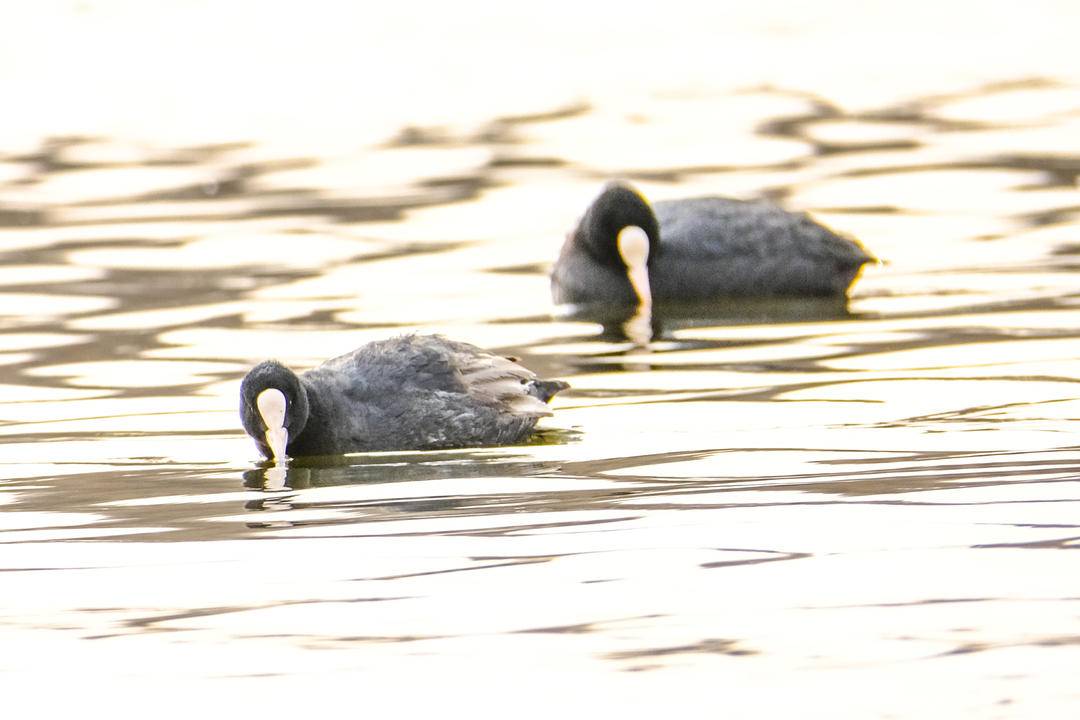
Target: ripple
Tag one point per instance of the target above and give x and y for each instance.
(1002, 354)
(1020, 105)
(37, 307)
(836, 503)
(36, 275)
(104, 184)
(134, 373)
(942, 191)
(291, 250)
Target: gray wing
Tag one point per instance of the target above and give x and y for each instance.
(723, 226)
(726, 246)
(424, 391)
(499, 381)
(433, 363)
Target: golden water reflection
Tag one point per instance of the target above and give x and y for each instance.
(849, 499)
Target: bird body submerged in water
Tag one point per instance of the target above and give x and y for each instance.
(415, 392)
(624, 252)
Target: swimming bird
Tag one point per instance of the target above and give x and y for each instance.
(625, 251)
(415, 392)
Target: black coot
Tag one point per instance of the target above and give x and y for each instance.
(415, 392)
(626, 252)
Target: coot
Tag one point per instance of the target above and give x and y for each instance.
(415, 392)
(625, 251)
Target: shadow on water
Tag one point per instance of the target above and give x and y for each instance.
(145, 503)
(333, 470)
(882, 478)
(670, 317)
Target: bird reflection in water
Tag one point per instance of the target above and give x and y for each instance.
(277, 477)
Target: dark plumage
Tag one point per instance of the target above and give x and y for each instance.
(703, 248)
(415, 392)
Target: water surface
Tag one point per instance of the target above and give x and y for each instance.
(863, 511)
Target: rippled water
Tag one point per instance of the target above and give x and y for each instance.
(861, 511)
